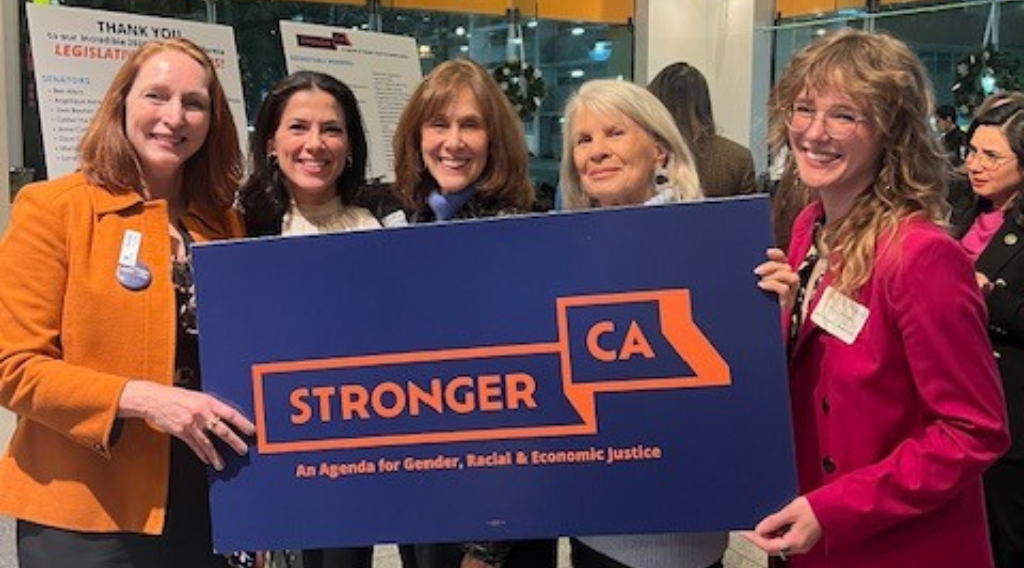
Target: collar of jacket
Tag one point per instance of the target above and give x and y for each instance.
(961, 220)
(111, 201)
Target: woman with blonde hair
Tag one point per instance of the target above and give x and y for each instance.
(621, 147)
(98, 340)
(675, 172)
(897, 409)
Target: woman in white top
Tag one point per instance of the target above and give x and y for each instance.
(622, 147)
(308, 161)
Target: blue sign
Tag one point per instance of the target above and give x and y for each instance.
(606, 372)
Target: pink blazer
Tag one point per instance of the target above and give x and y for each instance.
(894, 431)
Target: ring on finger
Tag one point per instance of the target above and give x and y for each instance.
(213, 423)
(784, 553)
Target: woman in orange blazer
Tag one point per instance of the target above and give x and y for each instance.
(98, 349)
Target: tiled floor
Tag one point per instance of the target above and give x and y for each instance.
(7, 557)
(740, 554)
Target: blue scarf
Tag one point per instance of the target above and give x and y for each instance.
(447, 205)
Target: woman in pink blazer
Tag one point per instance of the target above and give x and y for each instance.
(897, 408)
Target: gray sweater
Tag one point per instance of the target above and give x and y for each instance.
(697, 550)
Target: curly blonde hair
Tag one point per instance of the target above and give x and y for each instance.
(891, 84)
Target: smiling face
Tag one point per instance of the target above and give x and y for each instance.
(454, 144)
(1002, 179)
(312, 146)
(167, 114)
(615, 157)
(838, 169)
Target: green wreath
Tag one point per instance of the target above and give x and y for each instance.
(982, 73)
(523, 86)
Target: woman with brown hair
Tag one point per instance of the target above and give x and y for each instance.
(458, 132)
(460, 153)
(897, 409)
(98, 339)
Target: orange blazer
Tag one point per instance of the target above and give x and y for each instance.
(71, 336)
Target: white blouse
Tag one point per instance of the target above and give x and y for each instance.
(330, 217)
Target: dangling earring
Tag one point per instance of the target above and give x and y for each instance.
(272, 160)
(348, 161)
(662, 181)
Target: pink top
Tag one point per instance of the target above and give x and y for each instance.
(985, 226)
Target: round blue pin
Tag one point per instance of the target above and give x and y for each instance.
(135, 277)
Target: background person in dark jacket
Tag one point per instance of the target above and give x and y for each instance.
(953, 139)
(991, 230)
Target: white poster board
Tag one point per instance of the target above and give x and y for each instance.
(382, 70)
(77, 52)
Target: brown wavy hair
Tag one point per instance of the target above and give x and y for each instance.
(211, 175)
(505, 179)
(891, 84)
(684, 91)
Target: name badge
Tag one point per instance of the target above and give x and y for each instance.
(131, 273)
(840, 315)
(130, 245)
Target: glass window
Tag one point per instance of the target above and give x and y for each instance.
(566, 53)
(942, 35)
(940, 39)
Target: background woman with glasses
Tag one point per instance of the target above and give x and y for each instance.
(991, 230)
(896, 405)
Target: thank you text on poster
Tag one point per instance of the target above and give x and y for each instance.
(76, 53)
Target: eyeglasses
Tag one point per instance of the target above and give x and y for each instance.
(986, 159)
(840, 123)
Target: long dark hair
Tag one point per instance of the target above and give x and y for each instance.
(1008, 117)
(264, 197)
(684, 90)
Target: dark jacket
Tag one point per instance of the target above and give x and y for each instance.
(953, 142)
(725, 168)
(476, 208)
(1002, 262)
